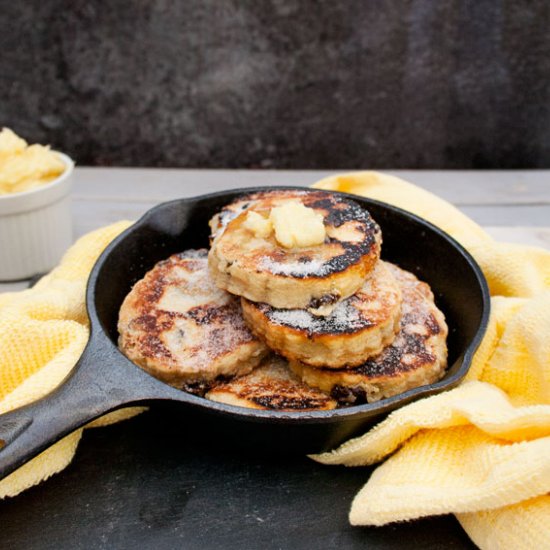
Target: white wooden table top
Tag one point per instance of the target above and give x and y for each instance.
(513, 205)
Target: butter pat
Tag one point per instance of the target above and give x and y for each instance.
(257, 224)
(297, 226)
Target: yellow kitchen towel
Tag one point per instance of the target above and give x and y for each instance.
(481, 450)
(43, 331)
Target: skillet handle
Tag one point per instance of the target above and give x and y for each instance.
(100, 382)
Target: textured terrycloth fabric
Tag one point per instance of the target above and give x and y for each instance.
(43, 331)
(482, 450)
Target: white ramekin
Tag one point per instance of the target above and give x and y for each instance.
(36, 227)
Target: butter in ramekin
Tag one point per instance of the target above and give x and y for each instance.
(24, 167)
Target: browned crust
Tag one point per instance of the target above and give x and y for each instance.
(179, 327)
(272, 386)
(358, 328)
(308, 277)
(417, 356)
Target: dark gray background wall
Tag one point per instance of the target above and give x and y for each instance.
(281, 83)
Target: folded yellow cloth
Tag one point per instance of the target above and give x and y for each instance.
(43, 331)
(482, 450)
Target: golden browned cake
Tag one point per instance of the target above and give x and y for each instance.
(417, 356)
(271, 386)
(358, 328)
(180, 327)
(257, 266)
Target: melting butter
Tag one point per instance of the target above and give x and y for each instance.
(257, 224)
(297, 226)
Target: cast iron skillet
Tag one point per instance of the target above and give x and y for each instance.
(104, 380)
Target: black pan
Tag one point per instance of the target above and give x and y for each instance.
(104, 380)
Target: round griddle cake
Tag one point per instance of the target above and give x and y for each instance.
(271, 386)
(181, 328)
(359, 327)
(312, 277)
(417, 356)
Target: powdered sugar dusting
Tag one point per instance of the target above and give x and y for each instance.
(294, 268)
(296, 318)
(345, 317)
(193, 254)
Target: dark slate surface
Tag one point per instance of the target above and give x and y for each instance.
(150, 483)
(281, 83)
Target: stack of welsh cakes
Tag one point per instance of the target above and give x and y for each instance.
(314, 290)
